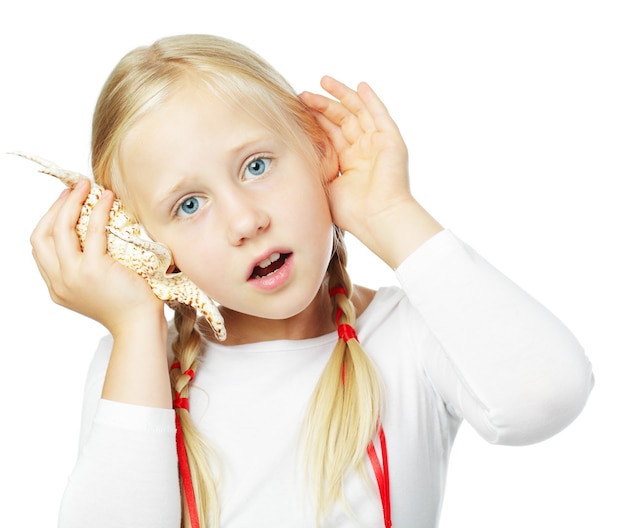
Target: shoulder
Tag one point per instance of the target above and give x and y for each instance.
(361, 298)
(375, 306)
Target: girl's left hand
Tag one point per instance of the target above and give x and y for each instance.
(371, 197)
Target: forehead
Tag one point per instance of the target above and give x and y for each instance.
(190, 127)
(248, 101)
(193, 103)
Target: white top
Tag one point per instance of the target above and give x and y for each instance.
(458, 341)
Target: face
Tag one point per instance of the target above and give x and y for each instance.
(244, 214)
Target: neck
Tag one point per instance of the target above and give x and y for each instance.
(313, 321)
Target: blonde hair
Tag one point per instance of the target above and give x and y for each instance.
(345, 407)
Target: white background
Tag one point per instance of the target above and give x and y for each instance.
(515, 116)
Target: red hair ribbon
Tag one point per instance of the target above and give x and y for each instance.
(347, 332)
(185, 475)
(332, 292)
(382, 474)
(337, 289)
(189, 372)
(181, 450)
(180, 403)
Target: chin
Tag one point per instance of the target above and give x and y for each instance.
(288, 306)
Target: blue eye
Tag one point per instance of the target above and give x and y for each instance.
(257, 167)
(189, 206)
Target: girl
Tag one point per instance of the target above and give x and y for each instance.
(327, 404)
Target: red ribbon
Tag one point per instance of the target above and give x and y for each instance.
(347, 332)
(332, 292)
(181, 450)
(337, 289)
(185, 475)
(180, 403)
(189, 372)
(382, 474)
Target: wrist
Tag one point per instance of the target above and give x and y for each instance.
(138, 371)
(397, 232)
(146, 319)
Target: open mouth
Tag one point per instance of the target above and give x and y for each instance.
(270, 265)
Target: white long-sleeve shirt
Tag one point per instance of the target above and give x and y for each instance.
(458, 341)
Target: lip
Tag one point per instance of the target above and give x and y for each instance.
(276, 279)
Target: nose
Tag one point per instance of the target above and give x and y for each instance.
(246, 217)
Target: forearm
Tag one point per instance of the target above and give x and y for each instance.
(138, 371)
(127, 472)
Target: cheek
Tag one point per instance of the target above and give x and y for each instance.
(308, 213)
(203, 267)
(322, 209)
(193, 254)
(319, 228)
(189, 253)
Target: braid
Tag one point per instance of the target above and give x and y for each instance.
(186, 349)
(345, 409)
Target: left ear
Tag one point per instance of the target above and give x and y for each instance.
(329, 161)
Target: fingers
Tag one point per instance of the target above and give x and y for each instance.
(56, 246)
(317, 103)
(64, 227)
(351, 114)
(96, 239)
(58, 222)
(351, 101)
(344, 119)
(53, 227)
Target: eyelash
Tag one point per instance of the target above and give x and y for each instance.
(258, 157)
(177, 208)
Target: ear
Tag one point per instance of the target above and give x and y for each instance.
(330, 161)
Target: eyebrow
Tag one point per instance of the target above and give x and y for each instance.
(162, 200)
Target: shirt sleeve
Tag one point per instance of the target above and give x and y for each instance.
(506, 364)
(126, 474)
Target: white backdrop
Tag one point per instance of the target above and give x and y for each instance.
(515, 116)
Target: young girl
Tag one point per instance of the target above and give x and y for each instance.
(327, 404)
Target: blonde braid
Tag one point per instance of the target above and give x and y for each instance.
(345, 409)
(186, 349)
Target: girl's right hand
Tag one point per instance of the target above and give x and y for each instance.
(89, 281)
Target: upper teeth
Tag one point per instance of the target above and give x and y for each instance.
(269, 260)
